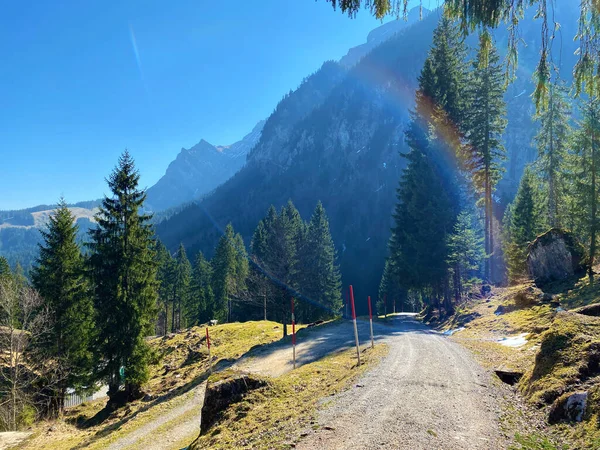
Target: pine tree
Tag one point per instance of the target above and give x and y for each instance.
(164, 263)
(465, 253)
(59, 278)
(523, 221)
(182, 276)
(586, 175)
(551, 141)
(123, 268)
(319, 279)
(4, 267)
(230, 270)
(201, 299)
(422, 220)
(485, 126)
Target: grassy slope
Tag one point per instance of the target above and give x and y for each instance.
(555, 360)
(181, 365)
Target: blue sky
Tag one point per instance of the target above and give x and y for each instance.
(75, 91)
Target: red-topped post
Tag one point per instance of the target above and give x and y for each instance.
(293, 335)
(371, 322)
(354, 322)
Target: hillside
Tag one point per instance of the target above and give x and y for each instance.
(345, 153)
(19, 229)
(551, 349)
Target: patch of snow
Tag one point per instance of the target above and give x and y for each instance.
(451, 332)
(514, 341)
(559, 309)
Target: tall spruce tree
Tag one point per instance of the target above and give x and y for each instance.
(466, 253)
(319, 278)
(182, 276)
(523, 221)
(58, 276)
(4, 267)
(230, 270)
(422, 220)
(201, 299)
(552, 141)
(165, 263)
(586, 177)
(123, 269)
(485, 126)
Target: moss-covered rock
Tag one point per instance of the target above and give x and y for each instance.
(554, 256)
(568, 408)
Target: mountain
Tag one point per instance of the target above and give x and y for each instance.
(198, 170)
(20, 229)
(345, 152)
(381, 34)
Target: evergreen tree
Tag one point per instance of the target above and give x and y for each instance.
(165, 264)
(230, 270)
(58, 277)
(182, 276)
(523, 221)
(123, 268)
(4, 267)
(465, 253)
(485, 126)
(586, 175)
(320, 278)
(551, 141)
(201, 299)
(422, 220)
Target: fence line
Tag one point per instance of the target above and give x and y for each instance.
(74, 399)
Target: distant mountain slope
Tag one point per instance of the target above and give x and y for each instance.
(198, 170)
(20, 229)
(381, 34)
(346, 154)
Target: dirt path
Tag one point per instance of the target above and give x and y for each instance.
(428, 393)
(9, 439)
(168, 429)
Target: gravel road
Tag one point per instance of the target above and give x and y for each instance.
(427, 393)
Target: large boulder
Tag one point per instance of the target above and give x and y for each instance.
(554, 256)
(223, 393)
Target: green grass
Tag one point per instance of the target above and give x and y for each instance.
(533, 442)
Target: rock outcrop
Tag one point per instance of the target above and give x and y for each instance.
(223, 393)
(589, 310)
(554, 256)
(568, 408)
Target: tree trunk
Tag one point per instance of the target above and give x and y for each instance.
(593, 218)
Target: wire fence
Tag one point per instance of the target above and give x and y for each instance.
(74, 399)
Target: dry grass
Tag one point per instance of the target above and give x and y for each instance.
(276, 415)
